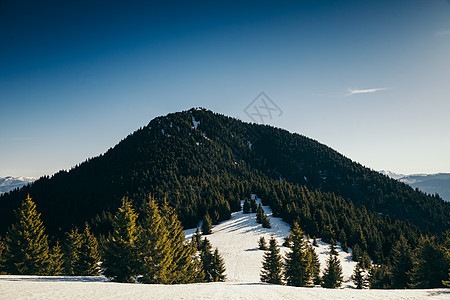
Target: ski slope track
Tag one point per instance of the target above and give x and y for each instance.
(237, 241)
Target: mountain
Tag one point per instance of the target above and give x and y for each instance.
(429, 183)
(199, 161)
(10, 183)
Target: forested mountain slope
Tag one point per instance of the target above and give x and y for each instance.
(202, 161)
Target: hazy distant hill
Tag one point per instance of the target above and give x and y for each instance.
(428, 183)
(9, 183)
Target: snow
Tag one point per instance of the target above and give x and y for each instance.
(237, 241)
(249, 145)
(196, 123)
(35, 287)
(9, 183)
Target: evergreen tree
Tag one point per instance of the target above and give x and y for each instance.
(253, 205)
(120, 253)
(197, 238)
(262, 243)
(332, 276)
(246, 207)
(2, 249)
(401, 262)
(272, 264)
(56, 261)
(266, 222)
(359, 277)
(207, 225)
(379, 277)
(430, 267)
(315, 242)
(155, 255)
(259, 214)
(71, 251)
(315, 266)
(217, 268)
(206, 259)
(89, 255)
(298, 260)
(26, 246)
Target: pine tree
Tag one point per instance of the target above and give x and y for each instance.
(315, 242)
(217, 268)
(197, 238)
(379, 277)
(315, 266)
(253, 205)
(206, 259)
(401, 261)
(71, 251)
(272, 264)
(26, 246)
(246, 207)
(2, 249)
(207, 225)
(266, 222)
(155, 255)
(56, 261)
(120, 253)
(89, 255)
(298, 260)
(359, 277)
(430, 267)
(332, 276)
(259, 214)
(262, 243)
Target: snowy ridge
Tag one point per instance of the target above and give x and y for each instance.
(237, 241)
(9, 183)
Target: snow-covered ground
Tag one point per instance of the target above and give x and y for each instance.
(237, 240)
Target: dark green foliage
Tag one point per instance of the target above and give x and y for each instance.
(402, 263)
(2, 249)
(56, 261)
(259, 214)
(430, 266)
(332, 275)
(217, 268)
(359, 277)
(265, 221)
(315, 266)
(315, 242)
(379, 277)
(26, 247)
(272, 264)
(262, 243)
(212, 262)
(120, 252)
(206, 225)
(81, 253)
(246, 207)
(297, 270)
(253, 206)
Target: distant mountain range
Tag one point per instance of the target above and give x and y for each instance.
(9, 183)
(428, 183)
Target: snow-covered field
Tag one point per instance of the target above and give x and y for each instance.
(237, 240)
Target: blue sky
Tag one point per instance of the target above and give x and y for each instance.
(368, 78)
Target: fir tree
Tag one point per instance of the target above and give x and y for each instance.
(120, 253)
(71, 251)
(315, 266)
(379, 277)
(26, 246)
(332, 276)
(298, 260)
(197, 238)
(359, 277)
(262, 243)
(155, 254)
(56, 261)
(259, 214)
(246, 207)
(401, 261)
(272, 264)
(2, 249)
(89, 255)
(315, 242)
(217, 268)
(207, 225)
(430, 267)
(206, 259)
(266, 222)
(253, 205)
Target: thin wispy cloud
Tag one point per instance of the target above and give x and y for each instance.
(364, 91)
(442, 33)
